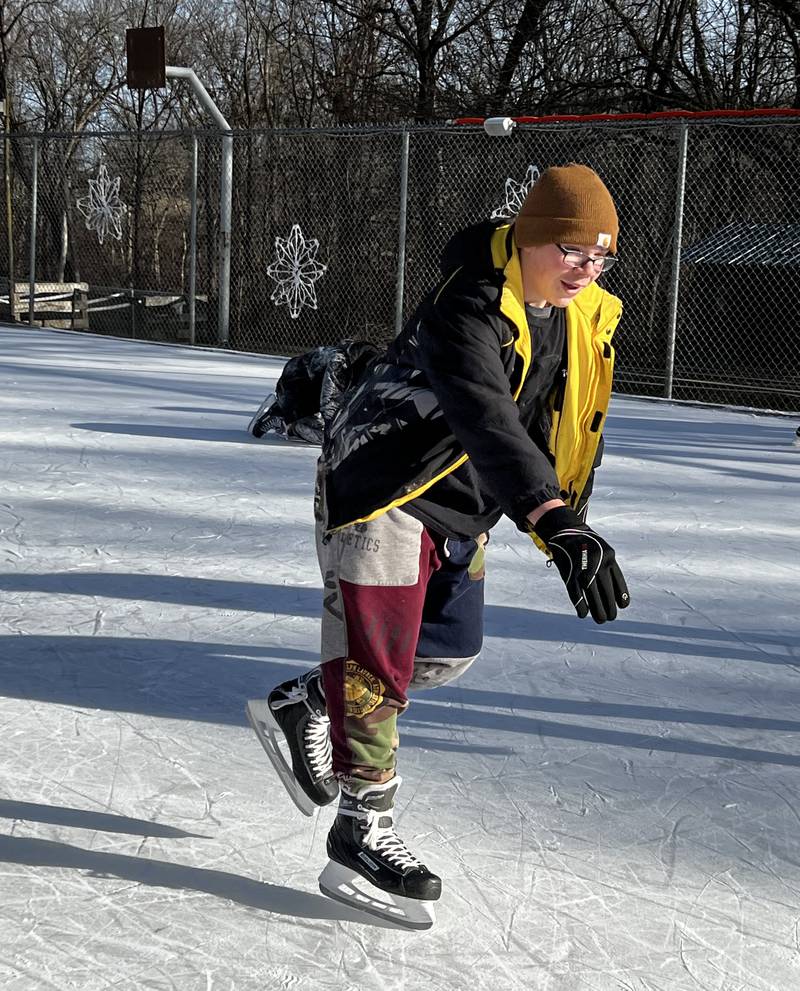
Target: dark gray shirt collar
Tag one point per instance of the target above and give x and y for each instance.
(542, 312)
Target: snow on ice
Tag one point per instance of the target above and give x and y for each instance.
(610, 807)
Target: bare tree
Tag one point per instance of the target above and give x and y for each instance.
(64, 68)
(423, 30)
(525, 31)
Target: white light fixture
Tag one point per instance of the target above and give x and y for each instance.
(499, 127)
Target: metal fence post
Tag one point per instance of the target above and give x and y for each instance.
(225, 223)
(32, 245)
(193, 242)
(9, 191)
(675, 275)
(401, 248)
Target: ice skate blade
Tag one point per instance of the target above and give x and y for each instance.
(349, 887)
(251, 426)
(267, 731)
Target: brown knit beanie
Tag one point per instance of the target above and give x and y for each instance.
(568, 204)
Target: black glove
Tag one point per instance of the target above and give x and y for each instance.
(586, 563)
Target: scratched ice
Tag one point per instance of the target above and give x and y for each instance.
(611, 807)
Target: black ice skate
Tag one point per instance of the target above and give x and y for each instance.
(370, 867)
(264, 421)
(294, 714)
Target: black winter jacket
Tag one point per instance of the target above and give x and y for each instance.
(446, 390)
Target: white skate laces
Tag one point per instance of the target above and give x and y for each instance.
(297, 693)
(317, 739)
(382, 839)
(385, 841)
(317, 733)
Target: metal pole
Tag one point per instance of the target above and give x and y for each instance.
(12, 283)
(32, 256)
(401, 249)
(225, 195)
(193, 242)
(675, 275)
(225, 192)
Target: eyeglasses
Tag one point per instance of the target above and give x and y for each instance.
(577, 259)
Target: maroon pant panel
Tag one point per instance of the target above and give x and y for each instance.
(382, 627)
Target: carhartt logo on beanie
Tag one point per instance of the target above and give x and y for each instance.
(568, 204)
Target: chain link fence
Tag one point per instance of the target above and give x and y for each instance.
(338, 233)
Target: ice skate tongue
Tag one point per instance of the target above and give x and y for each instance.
(379, 797)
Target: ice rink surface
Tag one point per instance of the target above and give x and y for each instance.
(610, 807)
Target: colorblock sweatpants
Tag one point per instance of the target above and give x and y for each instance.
(402, 607)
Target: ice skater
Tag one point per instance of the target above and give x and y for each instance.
(491, 401)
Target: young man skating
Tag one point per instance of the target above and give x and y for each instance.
(491, 402)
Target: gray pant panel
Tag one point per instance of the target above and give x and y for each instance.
(432, 672)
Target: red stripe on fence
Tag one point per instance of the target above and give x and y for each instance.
(658, 115)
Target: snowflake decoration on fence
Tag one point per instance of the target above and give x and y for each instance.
(295, 271)
(102, 209)
(515, 194)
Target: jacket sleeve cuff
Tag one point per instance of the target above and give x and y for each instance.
(555, 520)
(522, 507)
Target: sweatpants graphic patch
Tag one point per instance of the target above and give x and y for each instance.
(363, 691)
